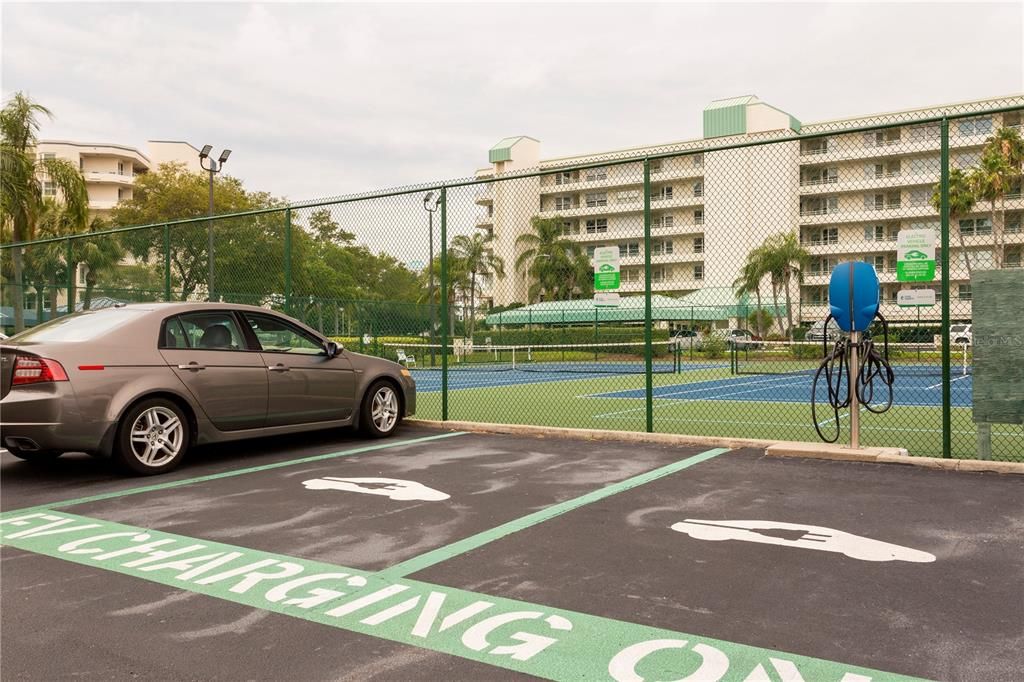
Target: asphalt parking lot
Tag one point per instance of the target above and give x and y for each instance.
(447, 555)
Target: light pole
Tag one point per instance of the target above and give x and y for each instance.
(430, 266)
(213, 168)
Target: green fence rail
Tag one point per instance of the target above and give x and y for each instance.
(485, 285)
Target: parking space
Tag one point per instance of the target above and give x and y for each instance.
(470, 556)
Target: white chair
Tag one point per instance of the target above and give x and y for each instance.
(405, 359)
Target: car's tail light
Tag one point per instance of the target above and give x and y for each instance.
(29, 369)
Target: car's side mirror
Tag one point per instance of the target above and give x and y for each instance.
(332, 349)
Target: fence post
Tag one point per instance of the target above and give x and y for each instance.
(69, 258)
(288, 260)
(947, 444)
(167, 262)
(444, 304)
(648, 360)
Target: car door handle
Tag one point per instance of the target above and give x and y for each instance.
(192, 365)
(278, 368)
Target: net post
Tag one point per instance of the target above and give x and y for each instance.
(444, 304)
(648, 359)
(288, 260)
(69, 257)
(167, 262)
(947, 444)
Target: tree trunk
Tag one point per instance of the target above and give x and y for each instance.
(53, 297)
(775, 301)
(40, 293)
(963, 245)
(997, 247)
(90, 283)
(19, 290)
(759, 324)
(472, 304)
(789, 305)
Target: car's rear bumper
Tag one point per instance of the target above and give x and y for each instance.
(47, 418)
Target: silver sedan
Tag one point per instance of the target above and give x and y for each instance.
(142, 383)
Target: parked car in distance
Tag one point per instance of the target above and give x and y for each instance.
(738, 338)
(961, 334)
(142, 383)
(818, 333)
(686, 339)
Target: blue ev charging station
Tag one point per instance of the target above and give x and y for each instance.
(853, 364)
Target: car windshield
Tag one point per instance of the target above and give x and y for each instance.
(82, 326)
(958, 328)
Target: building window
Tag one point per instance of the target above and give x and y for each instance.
(662, 248)
(874, 233)
(662, 194)
(628, 197)
(966, 159)
(629, 249)
(928, 131)
(964, 292)
(921, 196)
(698, 244)
(563, 203)
(49, 189)
(889, 169)
(663, 221)
(593, 174)
(1012, 259)
(570, 227)
(630, 274)
(698, 271)
(120, 167)
(698, 160)
(656, 166)
(698, 189)
(975, 226)
(882, 138)
(825, 235)
(658, 275)
(982, 260)
(590, 250)
(819, 176)
(597, 199)
(927, 165)
(597, 226)
(1013, 223)
(48, 156)
(878, 262)
(563, 178)
(818, 205)
(975, 126)
(698, 217)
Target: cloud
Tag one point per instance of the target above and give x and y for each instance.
(321, 99)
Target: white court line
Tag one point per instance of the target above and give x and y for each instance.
(951, 381)
(726, 384)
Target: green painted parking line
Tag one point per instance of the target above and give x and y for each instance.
(533, 639)
(418, 563)
(237, 472)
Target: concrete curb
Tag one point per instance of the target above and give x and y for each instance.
(772, 448)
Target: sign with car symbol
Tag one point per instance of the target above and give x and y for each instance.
(915, 255)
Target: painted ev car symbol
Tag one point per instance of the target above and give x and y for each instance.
(801, 535)
(394, 488)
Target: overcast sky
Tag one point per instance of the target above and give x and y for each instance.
(321, 99)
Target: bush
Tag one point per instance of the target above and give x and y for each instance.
(713, 347)
(803, 352)
(560, 335)
(799, 333)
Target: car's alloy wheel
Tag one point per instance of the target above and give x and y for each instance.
(381, 410)
(154, 437)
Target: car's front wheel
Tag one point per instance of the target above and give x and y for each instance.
(152, 438)
(381, 410)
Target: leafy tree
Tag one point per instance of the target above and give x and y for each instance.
(246, 248)
(749, 281)
(478, 258)
(785, 260)
(990, 181)
(99, 254)
(557, 267)
(325, 229)
(961, 202)
(21, 195)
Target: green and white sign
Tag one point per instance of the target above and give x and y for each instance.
(915, 256)
(606, 268)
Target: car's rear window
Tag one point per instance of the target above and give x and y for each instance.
(83, 326)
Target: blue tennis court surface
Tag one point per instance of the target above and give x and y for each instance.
(491, 376)
(921, 389)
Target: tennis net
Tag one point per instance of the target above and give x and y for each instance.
(803, 357)
(581, 358)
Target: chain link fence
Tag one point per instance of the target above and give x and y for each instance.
(484, 287)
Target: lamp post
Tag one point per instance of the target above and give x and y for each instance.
(213, 168)
(430, 266)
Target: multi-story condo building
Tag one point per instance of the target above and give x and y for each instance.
(846, 195)
(110, 169)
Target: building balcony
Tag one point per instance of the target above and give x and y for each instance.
(851, 150)
(614, 207)
(109, 177)
(882, 182)
(861, 214)
(484, 195)
(484, 220)
(625, 177)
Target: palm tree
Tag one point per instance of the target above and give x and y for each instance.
(749, 281)
(477, 256)
(23, 177)
(785, 259)
(556, 265)
(98, 254)
(961, 202)
(991, 182)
